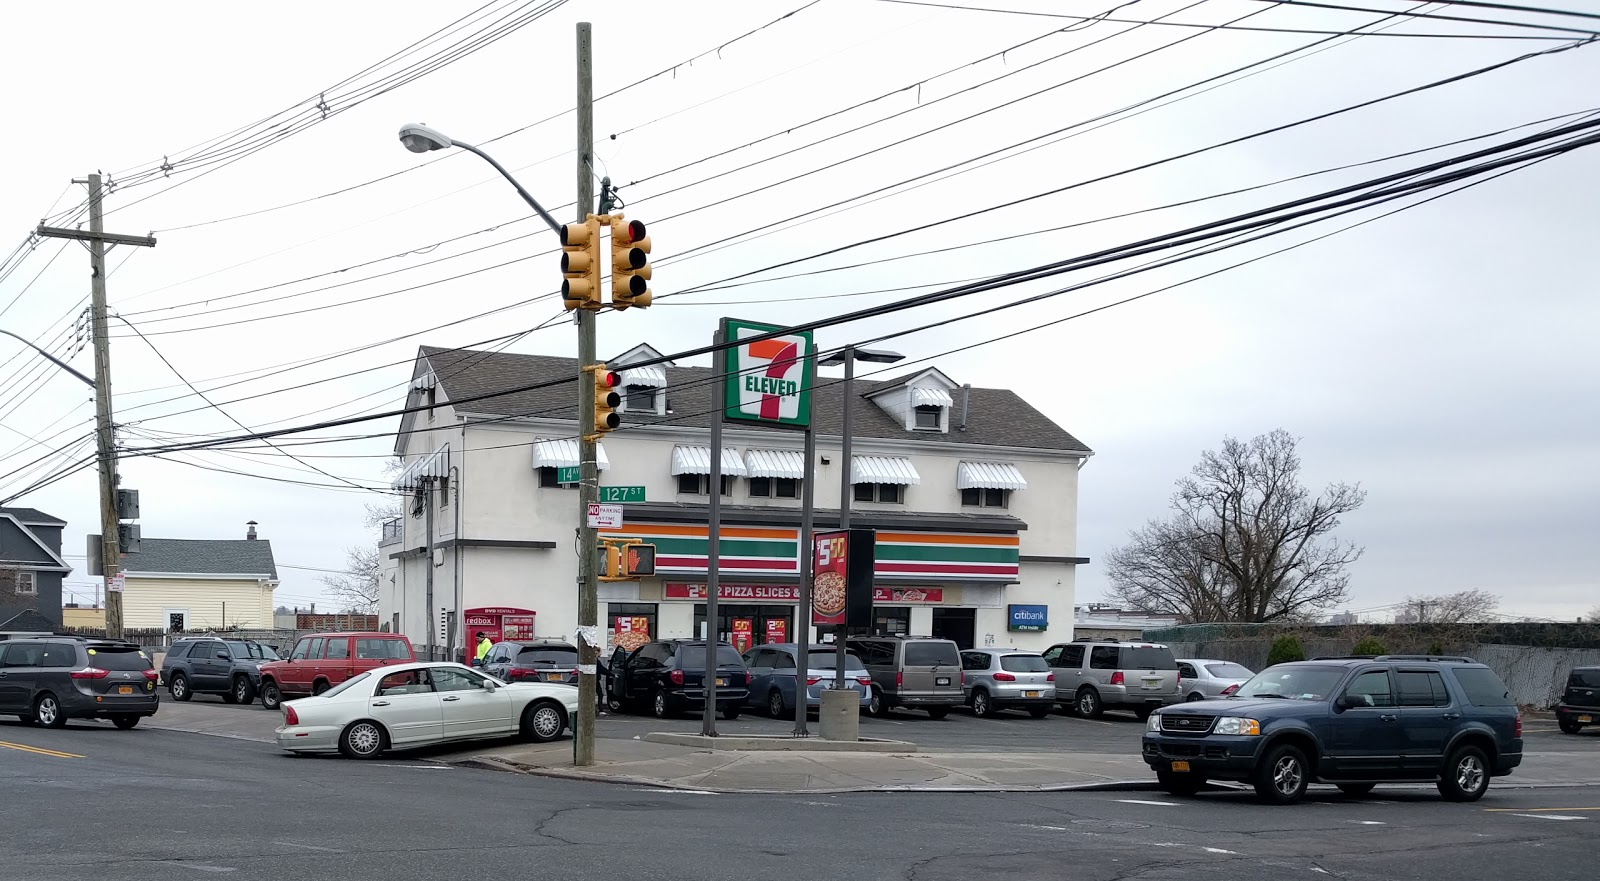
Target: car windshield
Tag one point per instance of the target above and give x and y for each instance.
(932, 653)
(118, 658)
(253, 651)
(1023, 664)
(1292, 682)
(694, 657)
(347, 684)
(1229, 671)
(1148, 657)
(828, 659)
(553, 656)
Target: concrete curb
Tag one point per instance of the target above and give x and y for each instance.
(779, 743)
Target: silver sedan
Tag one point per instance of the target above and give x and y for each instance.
(1206, 678)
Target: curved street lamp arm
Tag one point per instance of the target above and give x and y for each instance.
(526, 197)
(51, 358)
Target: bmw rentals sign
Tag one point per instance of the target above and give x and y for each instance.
(1020, 617)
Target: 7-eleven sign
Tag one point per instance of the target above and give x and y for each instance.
(769, 380)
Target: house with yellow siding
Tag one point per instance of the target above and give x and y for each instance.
(180, 584)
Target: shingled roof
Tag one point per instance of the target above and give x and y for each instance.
(997, 417)
(32, 515)
(203, 556)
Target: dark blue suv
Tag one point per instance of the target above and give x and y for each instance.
(1353, 722)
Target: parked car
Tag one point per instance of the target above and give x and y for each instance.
(53, 679)
(538, 660)
(1352, 722)
(411, 705)
(917, 672)
(319, 662)
(1202, 678)
(669, 675)
(1094, 675)
(1580, 703)
(213, 665)
(772, 677)
(1006, 679)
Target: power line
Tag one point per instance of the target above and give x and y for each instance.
(1434, 16)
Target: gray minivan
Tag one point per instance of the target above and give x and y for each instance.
(917, 672)
(1093, 675)
(51, 680)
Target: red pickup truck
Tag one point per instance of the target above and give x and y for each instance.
(324, 660)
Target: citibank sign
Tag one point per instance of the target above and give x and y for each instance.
(1027, 617)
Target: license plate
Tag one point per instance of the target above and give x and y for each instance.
(1585, 719)
(124, 689)
(1030, 694)
(1180, 766)
(554, 677)
(1153, 683)
(721, 682)
(942, 680)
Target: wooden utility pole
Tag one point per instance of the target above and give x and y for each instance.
(588, 472)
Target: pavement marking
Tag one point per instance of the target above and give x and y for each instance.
(679, 791)
(1550, 816)
(308, 846)
(416, 767)
(40, 750)
(1535, 810)
(1368, 823)
(1050, 828)
(1137, 801)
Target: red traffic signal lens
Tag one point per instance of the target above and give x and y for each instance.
(636, 230)
(609, 379)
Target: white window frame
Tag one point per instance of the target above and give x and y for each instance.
(166, 619)
(28, 576)
(936, 411)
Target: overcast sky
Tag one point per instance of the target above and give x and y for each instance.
(1443, 357)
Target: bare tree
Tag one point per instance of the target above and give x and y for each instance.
(1462, 607)
(357, 587)
(1246, 542)
(1593, 617)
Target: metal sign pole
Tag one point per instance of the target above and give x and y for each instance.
(719, 361)
(808, 499)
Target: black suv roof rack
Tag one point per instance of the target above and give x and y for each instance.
(1345, 658)
(1458, 659)
(1097, 639)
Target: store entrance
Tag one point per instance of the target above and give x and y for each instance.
(957, 625)
(747, 626)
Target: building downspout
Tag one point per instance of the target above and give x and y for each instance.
(427, 562)
(459, 635)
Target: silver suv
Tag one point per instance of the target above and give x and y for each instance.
(1093, 675)
(910, 671)
(1003, 679)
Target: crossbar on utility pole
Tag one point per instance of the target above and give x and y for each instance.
(588, 474)
(110, 539)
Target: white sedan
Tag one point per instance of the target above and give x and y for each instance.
(411, 705)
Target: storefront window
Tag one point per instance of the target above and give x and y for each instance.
(763, 624)
(890, 620)
(631, 625)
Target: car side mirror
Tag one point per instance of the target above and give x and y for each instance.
(1349, 701)
(489, 685)
(224, 657)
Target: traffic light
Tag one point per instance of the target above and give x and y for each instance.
(580, 264)
(606, 399)
(630, 264)
(625, 559)
(639, 559)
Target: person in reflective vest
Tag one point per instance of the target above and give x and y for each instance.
(483, 649)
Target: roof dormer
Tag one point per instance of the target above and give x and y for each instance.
(644, 389)
(919, 402)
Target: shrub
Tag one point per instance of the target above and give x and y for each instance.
(1285, 649)
(1436, 648)
(1369, 646)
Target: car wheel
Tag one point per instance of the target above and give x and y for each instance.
(938, 712)
(1466, 775)
(1088, 704)
(319, 687)
(614, 703)
(876, 706)
(1356, 789)
(730, 712)
(775, 706)
(125, 722)
(658, 705)
(1180, 784)
(180, 687)
(1568, 726)
(271, 697)
(243, 692)
(47, 711)
(1196, 696)
(1281, 777)
(982, 705)
(362, 740)
(1038, 712)
(543, 722)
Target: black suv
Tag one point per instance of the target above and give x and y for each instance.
(1580, 703)
(215, 665)
(535, 660)
(1354, 722)
(52, 679)
(670, 675)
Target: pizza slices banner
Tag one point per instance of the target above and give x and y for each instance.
(841, 592)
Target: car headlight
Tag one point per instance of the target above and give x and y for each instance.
(1237, 725)
(1153, 723)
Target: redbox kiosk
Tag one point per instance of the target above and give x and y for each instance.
(499, 623)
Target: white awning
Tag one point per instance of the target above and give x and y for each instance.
(883, 469)
(432, 466)
(563, 453)
(775, 463)
(989, 475)
(653, 377)
(697, 460)
(930, 397)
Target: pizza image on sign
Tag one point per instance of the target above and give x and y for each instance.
(767, 380)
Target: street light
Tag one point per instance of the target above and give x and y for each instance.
(419, 138)
(51, 358)
(848, 357)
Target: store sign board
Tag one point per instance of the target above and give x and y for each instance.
(768, 380)
(778, 592)
(1027, 617)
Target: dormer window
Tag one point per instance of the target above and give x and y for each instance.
(644, 390)
(929, 418)
(640, 398)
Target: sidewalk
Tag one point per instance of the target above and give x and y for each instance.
(669, 766)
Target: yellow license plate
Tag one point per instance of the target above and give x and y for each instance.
(124, 689)
(552, 676)
(721, 681)
(1180, 766)
(1586, 719)
(1030, 694)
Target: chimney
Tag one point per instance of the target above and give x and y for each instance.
(250, 534)
(966, 403)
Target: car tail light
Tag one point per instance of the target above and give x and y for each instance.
(1049, 677)
(89, 673)
(961, 678)
(521, 673)
(290, 717)
(1004, 677)
(1116, 678)
(864, 680)
(152, 675)
(1516, 730)
(813, 680)
(1226, 692)
(899, 679)
(676, 676)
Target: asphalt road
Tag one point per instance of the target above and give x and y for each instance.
(90, 801)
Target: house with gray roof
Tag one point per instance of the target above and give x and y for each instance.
(973, 493)
(199, 584)
(31, 567)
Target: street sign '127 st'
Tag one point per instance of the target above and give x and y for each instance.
(768, 380)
